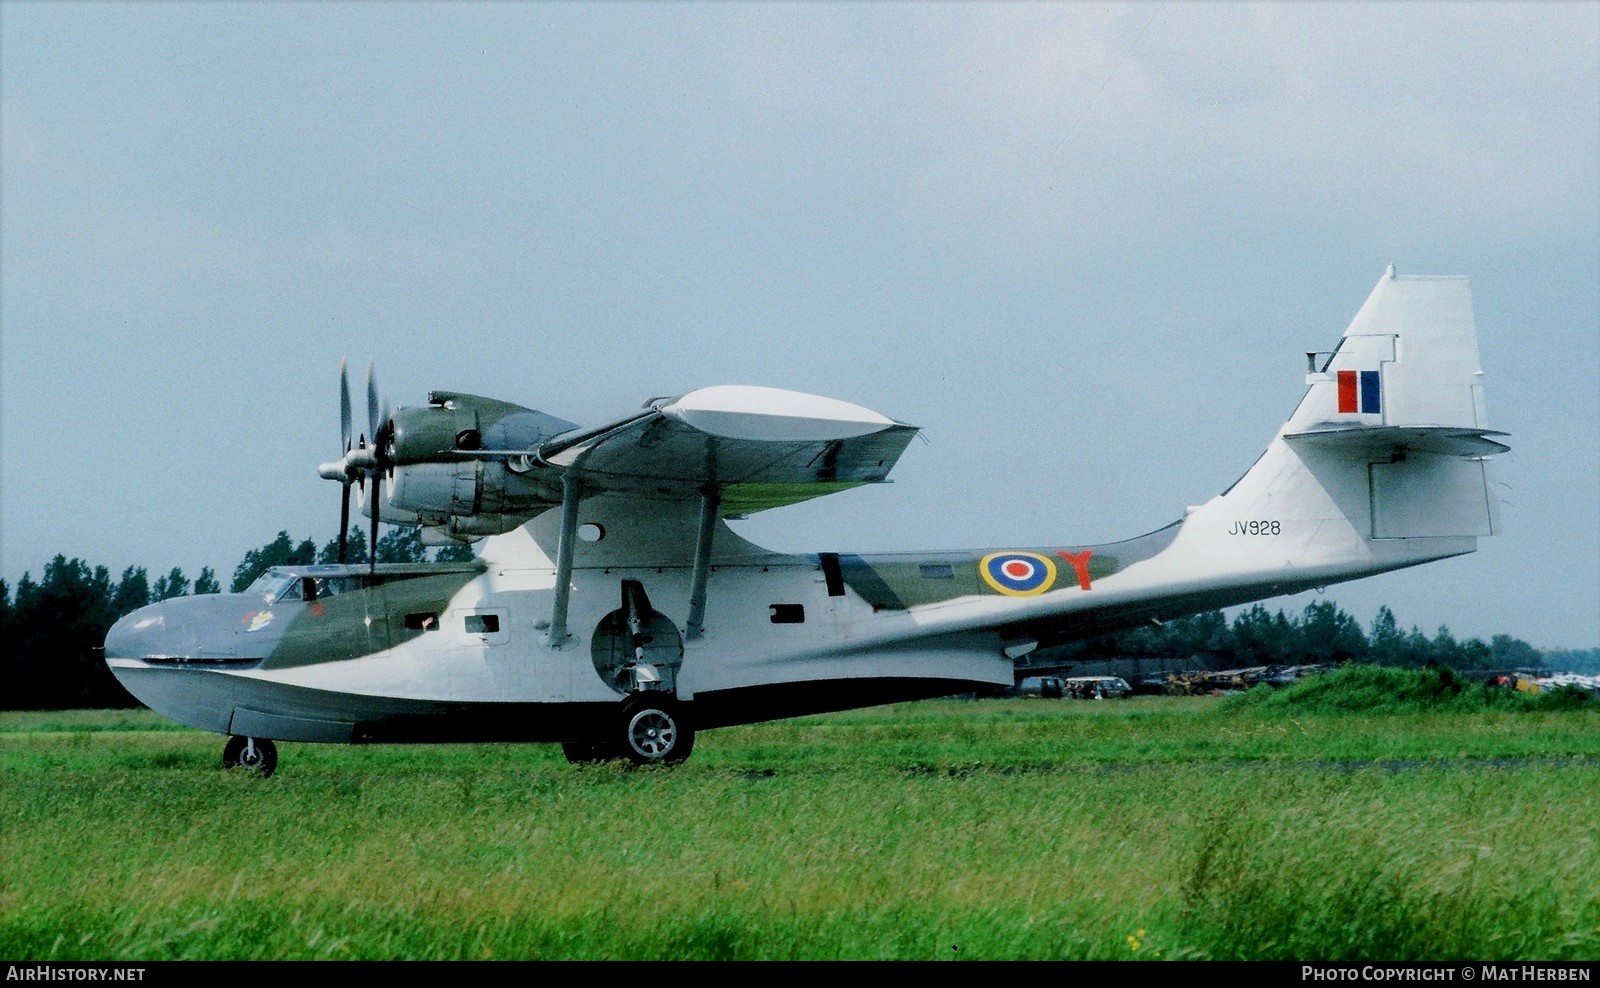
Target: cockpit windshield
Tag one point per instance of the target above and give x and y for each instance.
(272, 584)
(275, 585)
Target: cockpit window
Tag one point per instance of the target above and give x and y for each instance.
(318, 587)
(277, 585)
(272, 586)
(331, 585)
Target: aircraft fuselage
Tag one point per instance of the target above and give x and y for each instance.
(453, 653)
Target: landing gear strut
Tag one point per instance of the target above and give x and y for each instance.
(256, 755)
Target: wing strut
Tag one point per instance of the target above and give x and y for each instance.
(571, 491)
(710, 501)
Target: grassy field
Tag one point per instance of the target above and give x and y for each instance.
(1285, 826)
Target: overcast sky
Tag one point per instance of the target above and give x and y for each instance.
(1084, 246)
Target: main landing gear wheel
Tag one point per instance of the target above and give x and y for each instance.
(655, 734)
(256, 755)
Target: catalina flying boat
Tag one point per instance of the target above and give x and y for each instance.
(610, 607)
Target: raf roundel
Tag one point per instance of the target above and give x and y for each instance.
(1018, 574)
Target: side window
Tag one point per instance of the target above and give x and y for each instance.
(788, 614)
(422, 622)
(480, 626)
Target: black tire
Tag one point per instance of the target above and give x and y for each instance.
(655, 734)
(258, 756)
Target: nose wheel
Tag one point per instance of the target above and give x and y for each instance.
(258, 756)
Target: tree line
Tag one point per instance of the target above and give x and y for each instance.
(1322, 634)
(53, 630)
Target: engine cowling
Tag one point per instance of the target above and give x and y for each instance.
(462, 464)
(452, 426)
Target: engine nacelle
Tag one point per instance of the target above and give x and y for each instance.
(445, 472)
(476, 527)
(419, 435)
(437, 488)
(446, 498)
(452, 426)
(469, 488)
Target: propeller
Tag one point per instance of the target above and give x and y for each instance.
(360, 460)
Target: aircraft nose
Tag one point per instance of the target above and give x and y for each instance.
(134, 634)
(156, 651)
(179, 629)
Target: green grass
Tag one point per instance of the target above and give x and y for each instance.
(1255, 827)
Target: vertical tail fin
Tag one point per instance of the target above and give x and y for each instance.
(1409, 359)
(1383, 464)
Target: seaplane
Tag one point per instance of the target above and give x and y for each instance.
(610, 608)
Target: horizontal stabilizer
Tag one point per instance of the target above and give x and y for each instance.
(1389, 439)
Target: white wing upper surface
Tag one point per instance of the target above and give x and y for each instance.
(758, 447)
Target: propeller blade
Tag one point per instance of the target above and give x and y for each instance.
(384, 443)
(344, 406)
(372, 404)
(344, 524)
(377, 495)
